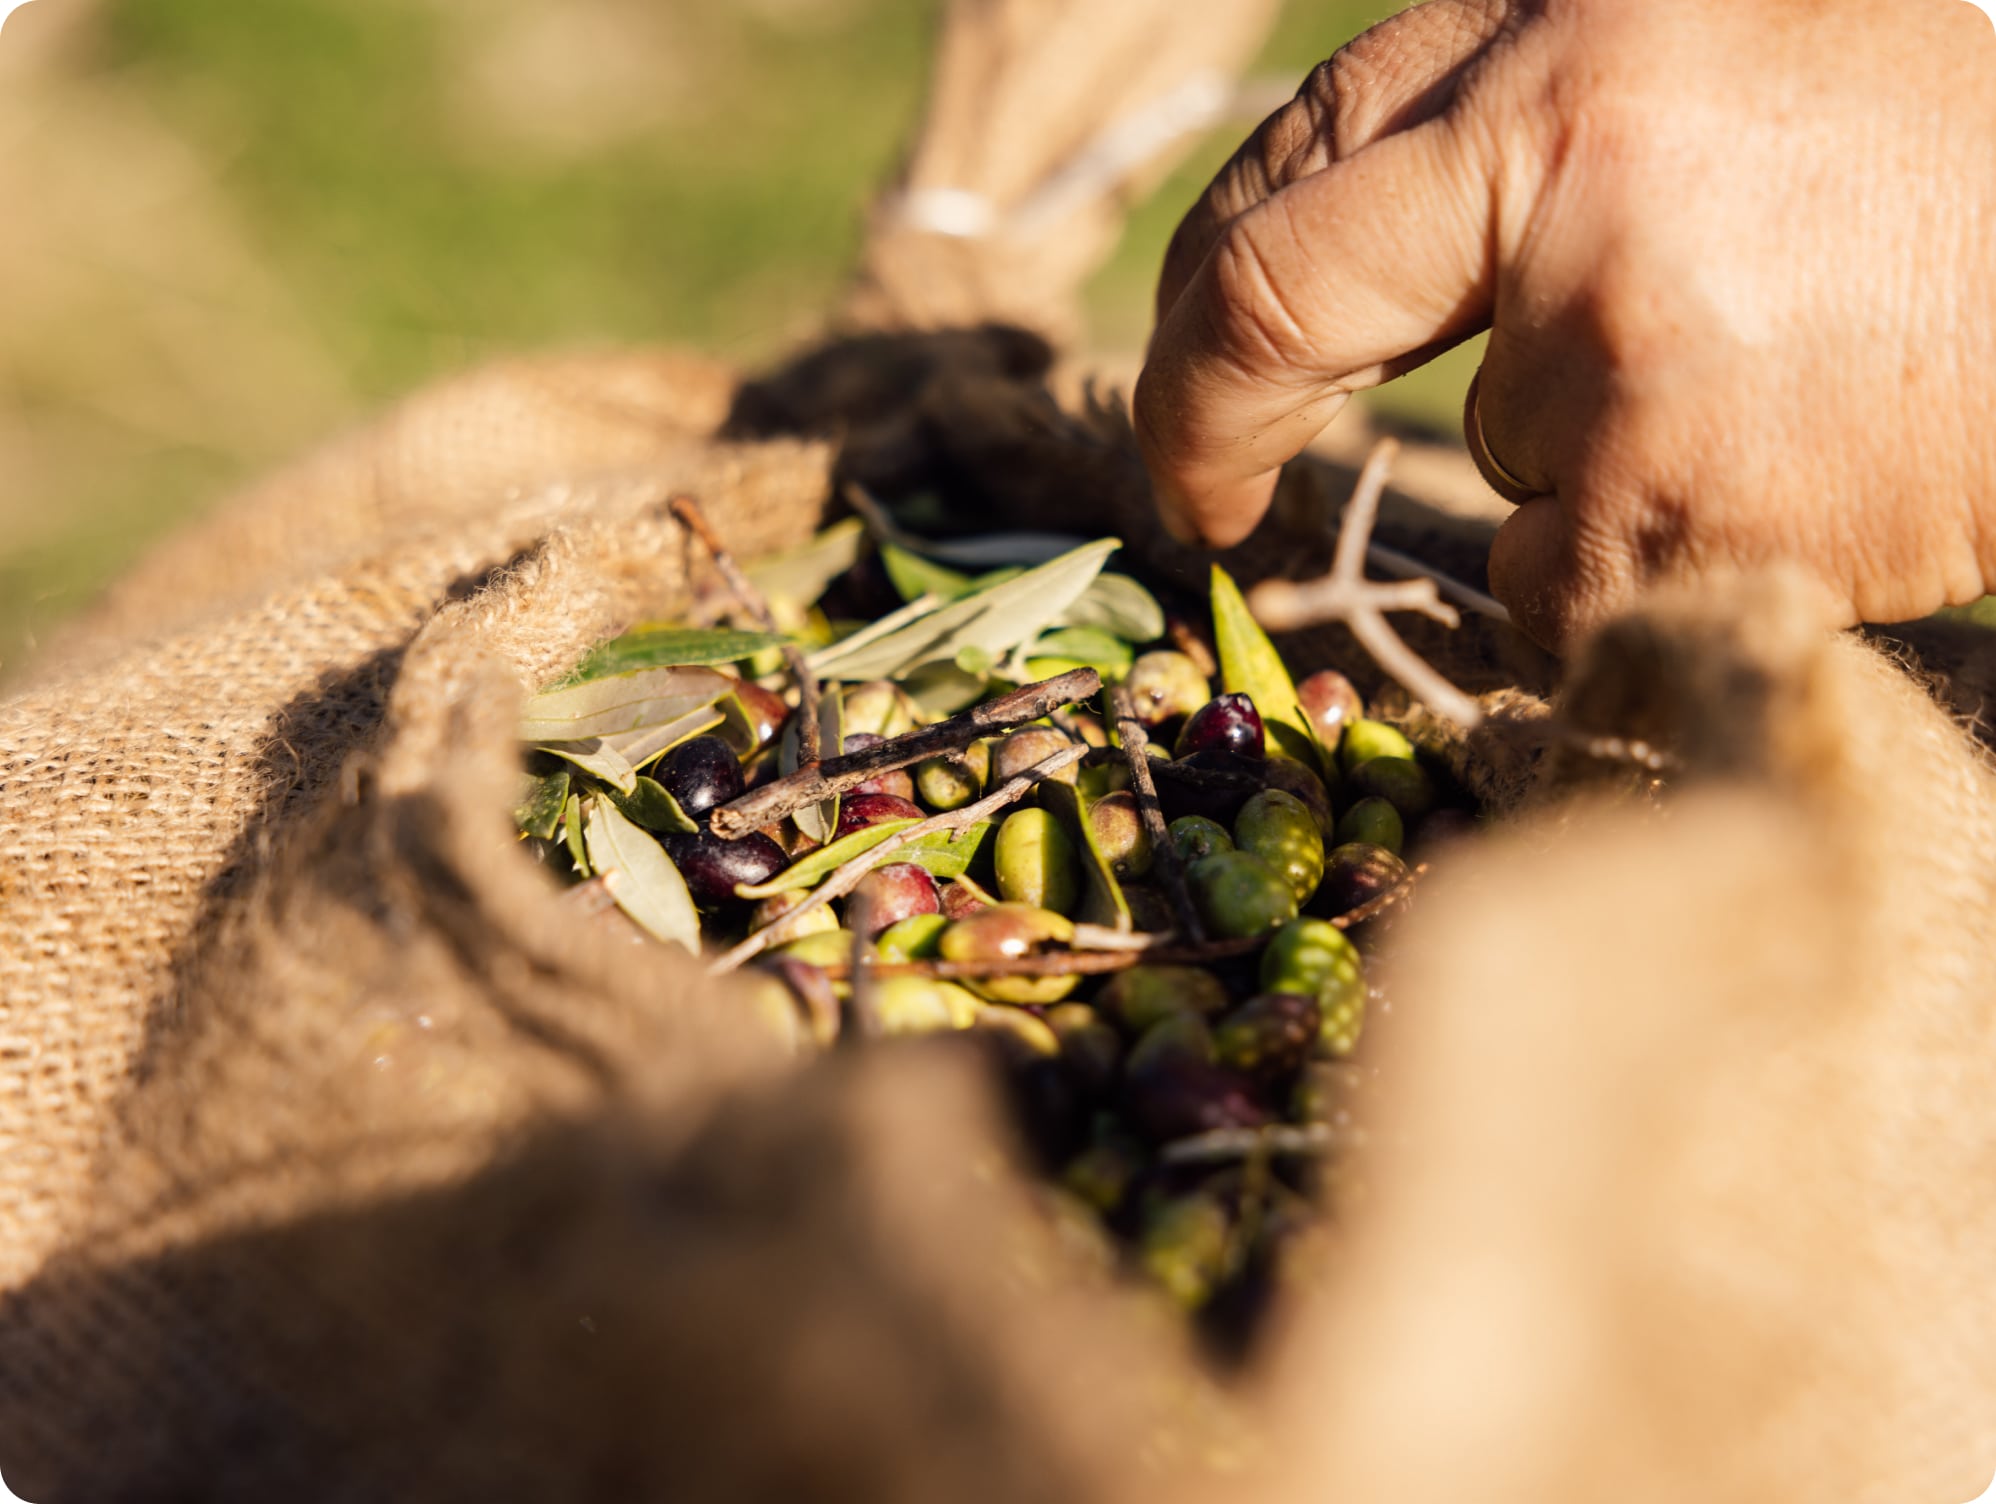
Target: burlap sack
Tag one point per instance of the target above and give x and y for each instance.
(340, 1158)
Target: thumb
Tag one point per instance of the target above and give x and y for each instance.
(1311, 295)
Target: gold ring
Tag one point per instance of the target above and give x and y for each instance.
(1501, 480)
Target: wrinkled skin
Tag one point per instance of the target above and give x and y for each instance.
(1738, 257)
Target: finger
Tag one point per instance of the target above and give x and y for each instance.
(1391, 78)
(1305, 299)
(1557, 579)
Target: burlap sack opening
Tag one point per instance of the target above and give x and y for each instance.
(339, 1159)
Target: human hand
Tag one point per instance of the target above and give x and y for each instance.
(1738, 258)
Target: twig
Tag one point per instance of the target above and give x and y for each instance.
(1224, 1145)
(1405, 565)
(756, 607)
(1346, 595)
(1392, 898)
(846, 878)
(767, 805)
(1136, 743)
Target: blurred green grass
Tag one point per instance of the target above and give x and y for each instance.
(424, 193)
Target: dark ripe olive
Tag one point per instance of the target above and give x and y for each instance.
(960, 900)
(713, 867)
(1195, 836)
(764, 709)
(1400, 781)
(1226, 723)
(1355, 874)
(1182, 1096)
(1138, 999)
(1238, 894)
(1166, 686)
(891, 893)
(1119, 833)
(1375, 822)
(1330, 701)
(1268, 1036)
(1028, 747)
(1212, 785)
(857, 811)
(701, 774)
(1290, 776)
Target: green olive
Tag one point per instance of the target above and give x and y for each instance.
(915, 938)
(1315, 958)
(1270, 1035)
(954, 779)
(1138, 998)
(1037, 862)
(1292, 777)
(1401, 781)
(1004, 931)
(1182, 1036)
(1365, 740)
(822, 948)
(1238, 894)
(918, 1005)
(1374, 821)
(1166, 686)
(1119, 833)
(1183, 1246)
(1195, 836)
(1278, 828)
(775, 907)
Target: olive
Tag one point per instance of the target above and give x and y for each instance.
(1401, 781)
(774, 1005)
(1100, 782)
(701, 774)
(1194, 836)
(1037, 863)
(823, 948)
(897, 783)
(1180, 1097)
(878, 707)
(1374, 821)
(1316, 959)
(1143, 996)
(961, 899)
(1084, 727)
(1365, 740)
(1226, 723)
(1104, 1173)
(1180, 1036)
(891, 893)
(1293, 778)
(1331, 703)
(1027, 748)
(777, 905)
(916, 938)
(857, 811)
(953, 779)
(713, 868)
(1356, 873)
(763, 711)
(1183, 1247)
(1238, 894)
(1270, 1035)
(1278, 828)
(1004, 931)
(1119, 834)
(1092, 1049)
(919, 1005)
(1019, 1036)
(1166, 686)
(1211, 784)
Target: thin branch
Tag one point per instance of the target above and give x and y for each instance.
(1406, 566)
(689, 515)
(1136, 743)
(763, 807)
(844, 879)
(1346, 595)
(1224, 1145)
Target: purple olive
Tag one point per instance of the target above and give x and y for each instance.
(1181, 1096)
(1331, 703)
(1226, 723)
(713, 867)
(889, 894)
(857, 811)
(900, 783)
(764, 710)
(701, 774)
(1355, 874)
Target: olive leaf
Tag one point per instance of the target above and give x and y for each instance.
(541, 803)
(641, 747)
(1102, 900)
(914, 576)
(819, 821)
(1081, 647)
(995, 618)
(946, 854)
(624, 703)
(571, 831)
(1249, 665)
(1116, 603)
(800, 575)
(641, 877)
(595, 756)
(660, 645)
(651, 805)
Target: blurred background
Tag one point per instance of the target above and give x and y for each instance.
(239, 225)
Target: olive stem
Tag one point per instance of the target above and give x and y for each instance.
(1136, 743)
(763, 807)
(1346, 595)
(689, 515)
(844, 879)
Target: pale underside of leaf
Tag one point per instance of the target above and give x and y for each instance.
(800, 575)
(615, 706)
(641, 877)
(594, 756)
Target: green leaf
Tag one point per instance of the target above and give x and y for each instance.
(571, 830)
(1118, 604)
(946, 854)
(651, 805)
(594, 756)
(1249, 665)
(657, 645)
(626, 702)
(800, 575)
(996, 619)
(942, 689)
(1102, 900)
(540, 807)
(1107, 654)
(641, 747)
(641, 877)
(914, 576)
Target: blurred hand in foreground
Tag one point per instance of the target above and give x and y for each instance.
(1738, 258)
